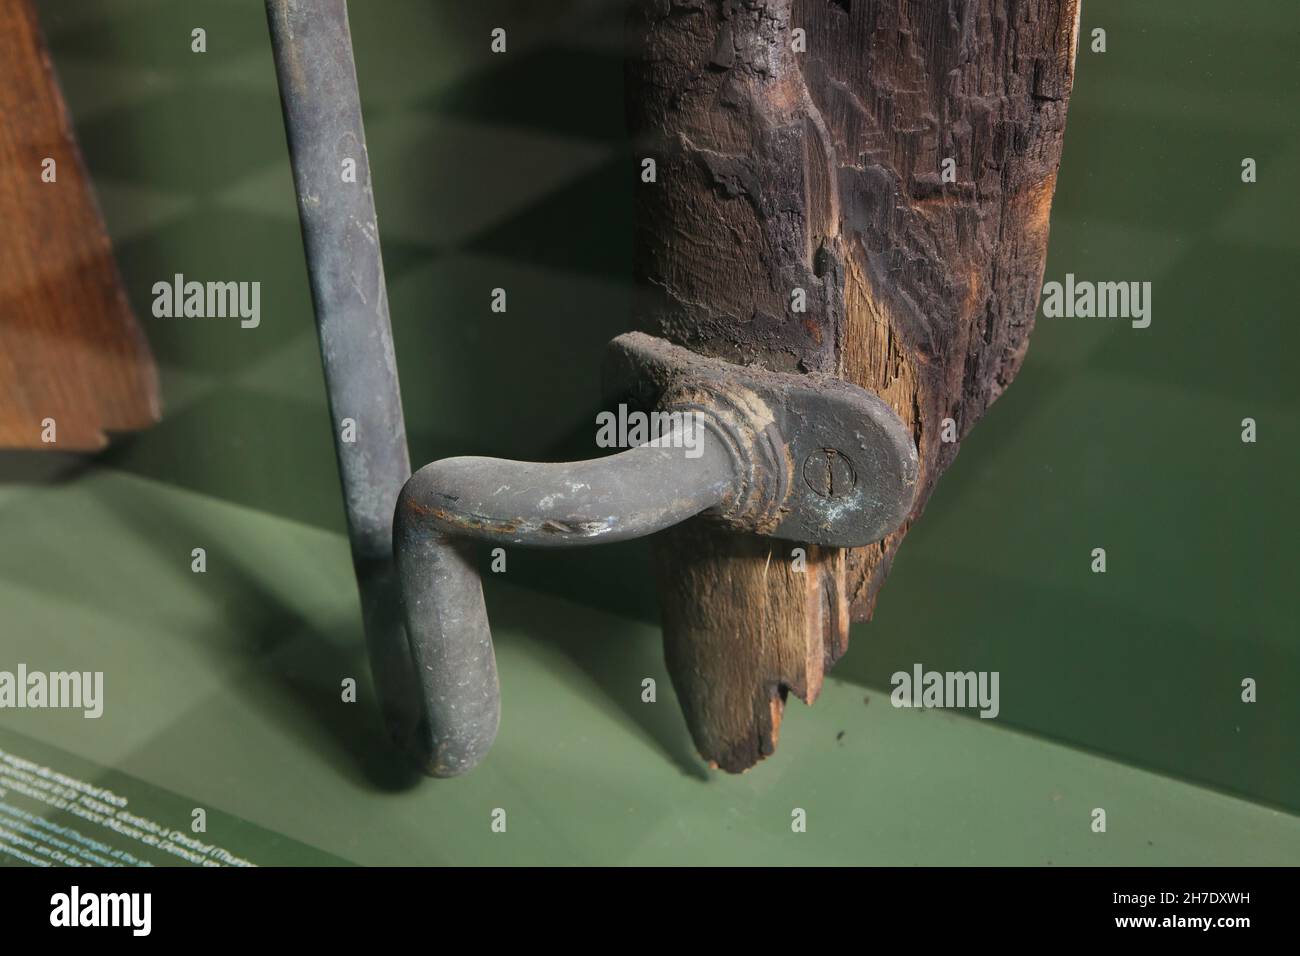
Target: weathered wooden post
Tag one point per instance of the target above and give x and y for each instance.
(858, 187)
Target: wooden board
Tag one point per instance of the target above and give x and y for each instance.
(822, 170)
(70, 348)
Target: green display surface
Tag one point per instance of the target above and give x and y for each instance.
(227, 687)
(1119, 691)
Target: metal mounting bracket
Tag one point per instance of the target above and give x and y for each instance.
(810, 459)
(832, 464)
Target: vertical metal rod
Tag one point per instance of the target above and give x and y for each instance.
(322, 117)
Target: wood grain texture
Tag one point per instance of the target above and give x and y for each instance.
(70, 348)
(822, 170)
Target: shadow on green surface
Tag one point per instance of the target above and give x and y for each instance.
(291, 666)
(539, 88)
(39, 469)
(613, 659)
(581, 228)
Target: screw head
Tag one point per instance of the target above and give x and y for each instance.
(829, 473)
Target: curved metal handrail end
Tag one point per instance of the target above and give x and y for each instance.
(447, 505)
